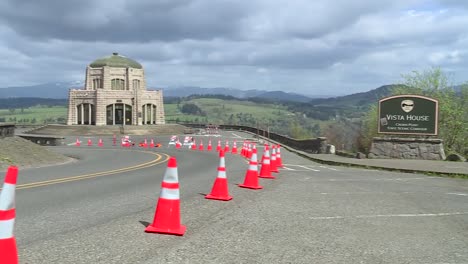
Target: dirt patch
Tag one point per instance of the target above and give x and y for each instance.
(24, 153)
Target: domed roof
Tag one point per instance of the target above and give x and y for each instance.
(116, 60)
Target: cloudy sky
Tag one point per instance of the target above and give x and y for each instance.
(313, 47)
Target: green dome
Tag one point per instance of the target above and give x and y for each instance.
(117, 61)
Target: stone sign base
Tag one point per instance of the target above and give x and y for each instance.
(407, 148)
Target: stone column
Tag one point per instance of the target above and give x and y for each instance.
(82, 114)
(90, 116)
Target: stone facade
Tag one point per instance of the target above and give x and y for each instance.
(407, 148)
(115, 94)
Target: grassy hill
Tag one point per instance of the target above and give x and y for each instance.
(298, 119)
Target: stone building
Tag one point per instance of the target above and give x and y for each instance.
(115, 94)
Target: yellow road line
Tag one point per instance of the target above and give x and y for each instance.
(97, 174)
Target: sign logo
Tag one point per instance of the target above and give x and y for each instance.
(408, 114)
(407, 105)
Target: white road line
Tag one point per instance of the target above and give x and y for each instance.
(395, 179)
(460, 194)
(307, 168)
(286, 168)
(234, 134)
(325, 167)
(387, 216)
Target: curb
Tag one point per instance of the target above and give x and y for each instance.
(339, 163)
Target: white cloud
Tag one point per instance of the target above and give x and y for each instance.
(312, 47)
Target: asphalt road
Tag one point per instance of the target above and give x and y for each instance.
(95, 209)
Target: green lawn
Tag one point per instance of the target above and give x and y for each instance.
(274, 117)
(35, 115)
(229, 111)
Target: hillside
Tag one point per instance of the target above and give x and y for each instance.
(351, 106)
(354, 100)
(59, 90)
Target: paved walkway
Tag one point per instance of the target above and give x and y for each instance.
(417, 166)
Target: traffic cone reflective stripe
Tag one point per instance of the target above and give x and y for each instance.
(265, 171)
(9, 252)
(167, 215)
(251, 176)
(220, 187)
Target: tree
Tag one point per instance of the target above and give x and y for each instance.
(368, 129)
(190, 108)
(453, 116)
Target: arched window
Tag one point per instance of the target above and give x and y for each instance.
(97, 83)
(86, 114)
(136, 84)
(117, 84)
(149, 114)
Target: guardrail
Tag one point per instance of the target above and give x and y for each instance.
(314, 145)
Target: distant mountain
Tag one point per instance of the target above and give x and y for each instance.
(242, 94)
(57, 90)
(356, 99)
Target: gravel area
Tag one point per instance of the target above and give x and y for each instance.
(26, 154)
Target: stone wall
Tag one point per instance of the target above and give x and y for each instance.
(7, 130)
(313, 145)
(407, 148)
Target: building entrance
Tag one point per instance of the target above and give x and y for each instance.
(119, 114)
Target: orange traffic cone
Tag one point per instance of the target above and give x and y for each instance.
(265, 171)
(9, 253)
(249, 151)
(209, 148)
(251, 177)
(220, 187)
(78, 142)
(145, 145)
(218, 148)
(234, 148)
(273, 163)
(178, 144)
(167, 215)
(194, 145)
(152, 143)
(100, 144)
(200, 147)
(90, 142)
(226, 147)
(279, 161)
